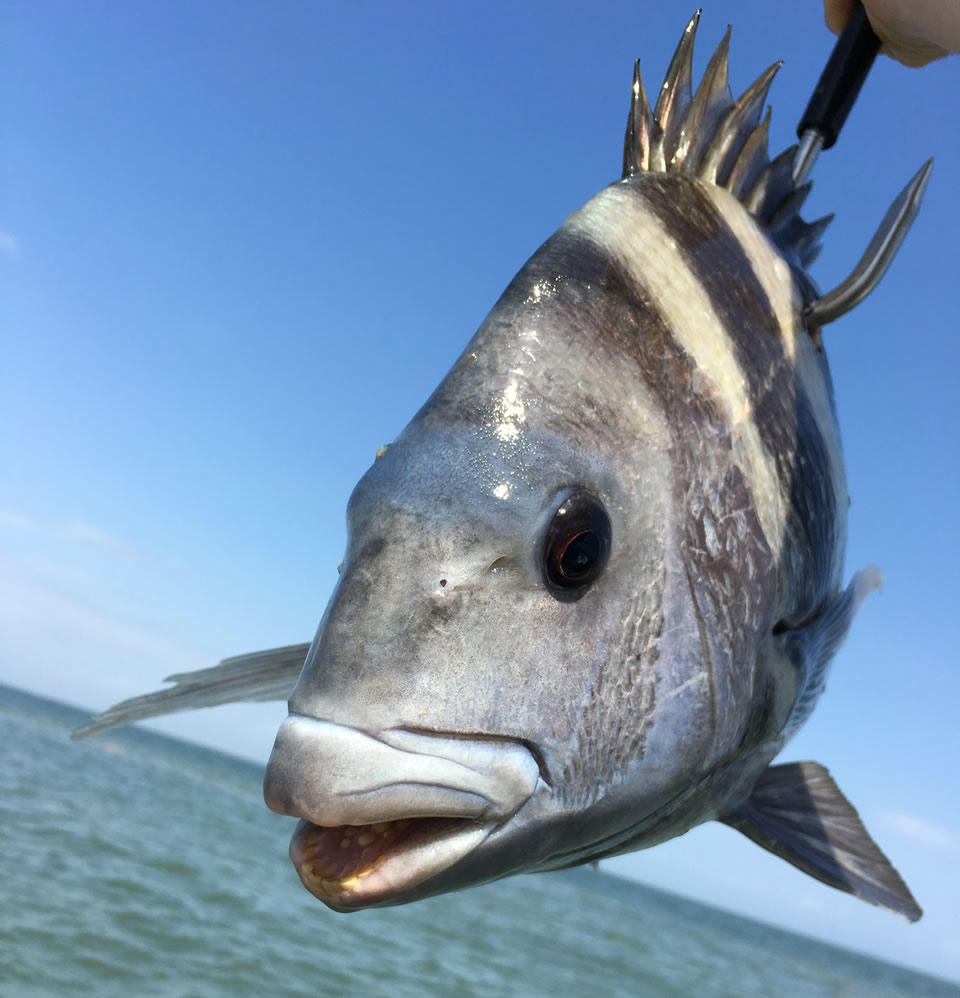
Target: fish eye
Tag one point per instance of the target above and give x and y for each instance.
(576, 545)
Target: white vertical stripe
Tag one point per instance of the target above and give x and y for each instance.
(645, 249)
(773, 273)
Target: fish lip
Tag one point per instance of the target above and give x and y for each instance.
(440, 796)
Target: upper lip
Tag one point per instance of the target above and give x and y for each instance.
(334, 774)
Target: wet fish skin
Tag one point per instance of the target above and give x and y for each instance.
(652, 360)
(658, 676)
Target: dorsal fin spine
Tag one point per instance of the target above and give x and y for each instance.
(676, 92)
(773, 187)
(751, 161)
(710, 102)
(637, 141)
(724, 142)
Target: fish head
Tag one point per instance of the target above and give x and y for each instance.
(510, 670)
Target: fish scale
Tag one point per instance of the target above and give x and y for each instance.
(595, 585)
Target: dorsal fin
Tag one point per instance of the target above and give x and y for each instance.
(724, 142)
(708, 133)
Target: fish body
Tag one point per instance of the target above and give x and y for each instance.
(594, 586)
(638, 358)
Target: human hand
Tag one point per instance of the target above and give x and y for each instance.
(913, 32)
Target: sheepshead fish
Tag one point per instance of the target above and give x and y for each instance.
(595, 585)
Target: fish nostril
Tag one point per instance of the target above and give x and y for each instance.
(443, 583)
(498, 564)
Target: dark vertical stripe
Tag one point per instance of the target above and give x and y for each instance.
(733, 578)
(782, 411)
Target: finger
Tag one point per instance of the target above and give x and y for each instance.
(837, 12)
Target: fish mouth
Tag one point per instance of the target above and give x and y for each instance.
(382, 812)
(359, 866)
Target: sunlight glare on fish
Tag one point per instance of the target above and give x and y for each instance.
(510, 411)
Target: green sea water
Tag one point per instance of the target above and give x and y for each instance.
(134, 864)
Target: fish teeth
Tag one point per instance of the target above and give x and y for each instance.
(332, 871)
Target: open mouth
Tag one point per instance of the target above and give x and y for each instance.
(383, 811)
(350, 866)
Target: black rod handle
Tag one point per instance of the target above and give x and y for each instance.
(841, 80)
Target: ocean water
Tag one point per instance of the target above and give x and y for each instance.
(133, 864)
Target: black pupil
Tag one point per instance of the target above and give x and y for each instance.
(576, 545)
(580, 554)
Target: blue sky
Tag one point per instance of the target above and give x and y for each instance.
(239, 246)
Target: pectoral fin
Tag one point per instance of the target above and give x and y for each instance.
(798, 813)
(811, 645)
(260, 675)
